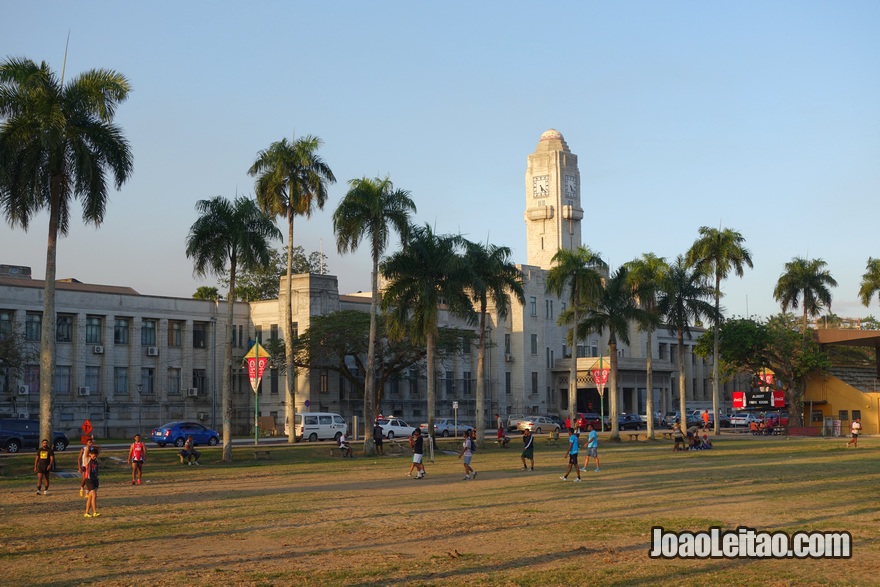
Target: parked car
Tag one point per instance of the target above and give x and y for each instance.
(669, 418)
(396, 427)
(176, 433)
(743, 419)
(513, 420)
(21, 433)
(625, 422)
(697, 415)
(446, 427)
(591, 418)
(316, 426)
(538, 424)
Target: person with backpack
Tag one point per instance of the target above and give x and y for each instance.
(468, 448)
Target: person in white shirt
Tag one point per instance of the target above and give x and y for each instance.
(856, 430)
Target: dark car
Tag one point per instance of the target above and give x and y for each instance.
(176, 432)
(21, 433)
(625, 422)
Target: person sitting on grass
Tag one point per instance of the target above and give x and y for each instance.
(189, 453)
(344, 446)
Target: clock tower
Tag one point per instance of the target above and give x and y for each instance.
(553, 200)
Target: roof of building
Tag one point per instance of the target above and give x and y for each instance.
(68, 284)
(849, 337)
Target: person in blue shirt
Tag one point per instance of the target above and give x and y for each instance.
(572, 454)
(592, 447)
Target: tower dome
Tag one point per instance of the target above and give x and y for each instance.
(552, 135)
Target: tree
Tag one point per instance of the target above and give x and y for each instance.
(291, 181)
(716, 253)
(645, 275)
(613, 309)
(205, 292)
(683, 300)
(225, 236)
(492, 276)
(428, 271)
(58, 142)
(15, 354)
(263, 282)
(870, 281)
(578, 272)
(372, 209)
(806, 283)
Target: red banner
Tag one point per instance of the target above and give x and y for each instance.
(739, 400)
(600, 376)
(778, 399)
(256, 367)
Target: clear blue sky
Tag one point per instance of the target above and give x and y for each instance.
(759, 116)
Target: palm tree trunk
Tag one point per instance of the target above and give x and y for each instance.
(649, 380)
(226, 392)
(481, 370)
(716, 377)
(572, 369)
(612, 380)
(430, 390)
(681, 381)
(47, 326)
(290, 373)
(370, 398)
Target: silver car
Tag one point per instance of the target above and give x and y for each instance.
(447, 427)
(537, 424)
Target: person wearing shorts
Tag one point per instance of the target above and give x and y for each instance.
(417, 443)
(855, 430)
(592, 447)
(378, 437)
(43, 465)
(91, 480)
(467, 451)
(572, 453)
(137, 454)
(83, 463)
(528, 452)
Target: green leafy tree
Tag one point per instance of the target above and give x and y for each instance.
(58, 142)
(615, 306)
(263, 282)
(683, 301)
(15, 354)
(870, 284)
(577, 272)
(205, 292)
(428, 271)
(493, 277)
(645, 276)
(225, 236)
(371, 210)
(716, 253)
(292, 180)
(805, 283)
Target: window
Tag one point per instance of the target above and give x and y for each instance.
(147, 381)
(295, 330)
(240, 335)
(62, 379)
(200, 335)
(466, 382)
(565, 354)
(93, 330)
(548, 356)
(534, 339)
(857, 414)
(562, 307)
(548, 309)
(120, 380)
(148, 333)
(33, 323)
(507, 344)
(64, 329)
(175, 334)
(413, 377)
(93, 378)
(534, 390)
(120, 330)
(199, 379)
(32, 376)
(5, 324)
(466, 344)
(273, 381)
(533, 305)
(325, 420)
(507, 388)
(273, 332)
(843, 415)
(323, 384)
(594, 349)
(450, 383)
(174, 382)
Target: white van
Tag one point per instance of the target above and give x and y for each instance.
(319, 426)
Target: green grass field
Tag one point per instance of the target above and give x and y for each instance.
(305, 518)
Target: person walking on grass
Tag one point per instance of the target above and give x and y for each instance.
(467, 451)
(528, 452)
(43, 465)
(855, 430)
(572, 454)
(416, 442)
(592, 447)
(378, 437)
(83, 463)
(92, 484)
(137, 454)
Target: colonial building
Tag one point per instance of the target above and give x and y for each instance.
(129, 361)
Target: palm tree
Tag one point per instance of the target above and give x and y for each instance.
(716, 253)
(492, 277)
(291, 180)
(228, 236)
(646, 275)
(870, 281)
(614, 307)
(426, 273)
(371, 210)
(58, 142)
(578, 272)
(683, 300)
(805, 282)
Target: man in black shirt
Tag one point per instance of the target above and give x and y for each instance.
(43, 464)
(417, 443)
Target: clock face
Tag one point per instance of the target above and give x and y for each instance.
(570, 186)
(541, 186)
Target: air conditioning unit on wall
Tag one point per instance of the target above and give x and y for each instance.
(508, 358)
(83, 391)
(203, 415)
(192, 392)
(23, 390)
(98, 350)
(153, 351)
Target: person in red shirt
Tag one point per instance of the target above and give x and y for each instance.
(137, 454)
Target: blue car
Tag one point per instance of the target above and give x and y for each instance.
(176, 432)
